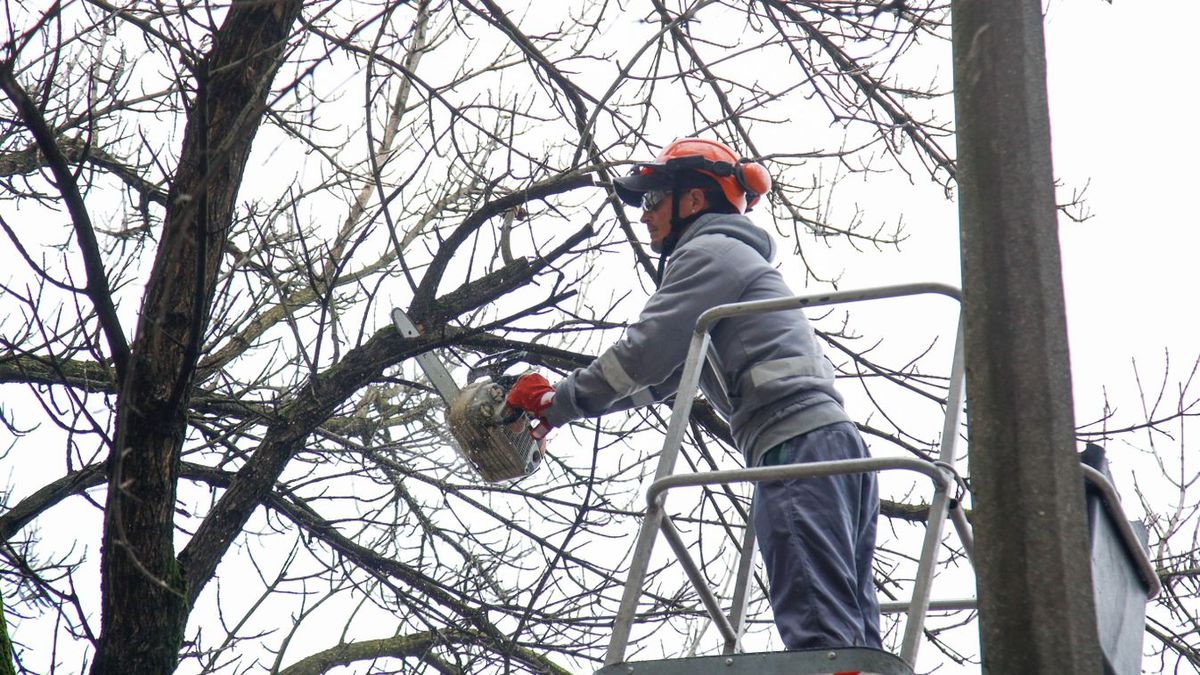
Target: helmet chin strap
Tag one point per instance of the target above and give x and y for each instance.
(678, 227)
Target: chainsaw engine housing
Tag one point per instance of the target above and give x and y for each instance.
(498, 446)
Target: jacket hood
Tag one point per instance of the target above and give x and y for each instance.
(732, 225)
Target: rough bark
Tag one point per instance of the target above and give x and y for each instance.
(6, 661)
(138, 568)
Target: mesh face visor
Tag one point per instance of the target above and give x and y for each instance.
(644, 179)
(742, 181)
(651, 199)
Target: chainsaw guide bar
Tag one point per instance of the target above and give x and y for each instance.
(498, 447)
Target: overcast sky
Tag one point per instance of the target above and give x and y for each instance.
(1121, 112)
(1122, 116)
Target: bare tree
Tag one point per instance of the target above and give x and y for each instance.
(223, 458)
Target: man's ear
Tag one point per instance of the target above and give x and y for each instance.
(699, 199)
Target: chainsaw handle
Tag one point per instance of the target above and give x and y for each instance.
(506, 381)
(508, 414)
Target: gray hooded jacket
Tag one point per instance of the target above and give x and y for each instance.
(780, 383)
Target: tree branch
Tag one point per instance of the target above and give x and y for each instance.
(98, 290)
(423, 303)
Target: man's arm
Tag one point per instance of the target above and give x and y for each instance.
(644, 366)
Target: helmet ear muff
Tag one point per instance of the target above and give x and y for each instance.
(754, 179)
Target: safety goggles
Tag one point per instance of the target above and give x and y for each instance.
(652, 198)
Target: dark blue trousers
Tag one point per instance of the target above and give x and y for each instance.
(817, 539)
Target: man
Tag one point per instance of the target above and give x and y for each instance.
(816, 535)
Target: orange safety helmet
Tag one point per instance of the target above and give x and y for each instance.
(742, 181)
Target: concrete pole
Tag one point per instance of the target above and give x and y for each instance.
(1036, 610)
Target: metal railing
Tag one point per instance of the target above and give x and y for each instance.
(940, 472)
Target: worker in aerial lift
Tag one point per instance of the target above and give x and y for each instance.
(816, 535)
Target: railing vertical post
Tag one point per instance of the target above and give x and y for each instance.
(741, 587)
(939, 507)
(689, 381)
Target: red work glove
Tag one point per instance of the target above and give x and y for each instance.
(531, 393)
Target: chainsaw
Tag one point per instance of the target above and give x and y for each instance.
(496, 440)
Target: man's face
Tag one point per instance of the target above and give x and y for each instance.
(656, 212)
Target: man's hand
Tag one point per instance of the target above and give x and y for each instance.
(531, 393)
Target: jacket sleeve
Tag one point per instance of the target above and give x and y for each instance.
(645, 365)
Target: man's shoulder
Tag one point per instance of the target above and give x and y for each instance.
(729, 234)
(721, 247)
(716, 260)
(719, 240)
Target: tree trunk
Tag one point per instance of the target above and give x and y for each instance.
(144, 597)
(6, 655)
